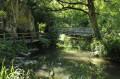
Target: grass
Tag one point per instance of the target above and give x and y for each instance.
(15, 73)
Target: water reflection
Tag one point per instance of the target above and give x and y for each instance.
(58, 71)
(75, 65)
(60, 63)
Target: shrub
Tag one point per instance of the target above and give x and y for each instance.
(45, 43)
(9, 51)
(112, 41)
(109, 47)
(113, 49)
(74, 42)
(3, 13)
(53, 34)
(98, 48)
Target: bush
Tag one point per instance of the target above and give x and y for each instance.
(113, 49)
(109, 47)
(112, 41)
(10, 50)
(98, 48)
(53, 35)
(74, 42)
(44, 43)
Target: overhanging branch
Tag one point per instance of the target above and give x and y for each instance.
(73, 3)
(76, 9)
(62, 9)
(67, 8)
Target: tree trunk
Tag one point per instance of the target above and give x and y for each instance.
(93, 20)
(15, 19)
(36, 28)
(16, 10)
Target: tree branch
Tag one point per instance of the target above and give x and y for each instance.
(61, 4)
(62, 9)
(107, 1)
(76, 9)
(72, 3)
(67, 8)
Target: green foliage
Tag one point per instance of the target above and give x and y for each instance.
(86, 72)
(98, 48)
(109, 22)
(42, 26)
(109, 18)
(113, 46)
(109, 47)
(53, 34)
(21, 47)
(44, 43)
(72, 18)
(113, 49)
(75, 42)
(10, 50)
(17, 73)
(3, 13)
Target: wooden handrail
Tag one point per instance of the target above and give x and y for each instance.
(22, 35)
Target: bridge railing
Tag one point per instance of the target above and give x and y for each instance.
(77, 30)
(21, 36)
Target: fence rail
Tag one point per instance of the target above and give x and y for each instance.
(33, 36)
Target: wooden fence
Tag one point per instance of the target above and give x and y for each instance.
(33, 36)
(1, 21)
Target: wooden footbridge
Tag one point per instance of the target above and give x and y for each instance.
(77, 31)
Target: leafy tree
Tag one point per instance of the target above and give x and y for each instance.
(57, 5)
(71, 18)
(86, 6)
(108, 18)
(38, 8)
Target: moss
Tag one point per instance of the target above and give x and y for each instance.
(25, 19)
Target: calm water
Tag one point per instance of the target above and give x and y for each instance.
(72, 63)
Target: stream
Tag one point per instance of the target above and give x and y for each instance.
(70, 62)
(75, 65)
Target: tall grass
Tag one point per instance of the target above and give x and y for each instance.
(15, 73)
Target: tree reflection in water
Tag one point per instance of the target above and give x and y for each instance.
(64, 63)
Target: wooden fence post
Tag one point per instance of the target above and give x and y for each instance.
(38, 35)
(31, 37)
(23, 37)
(14, 39)
(4, 36)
